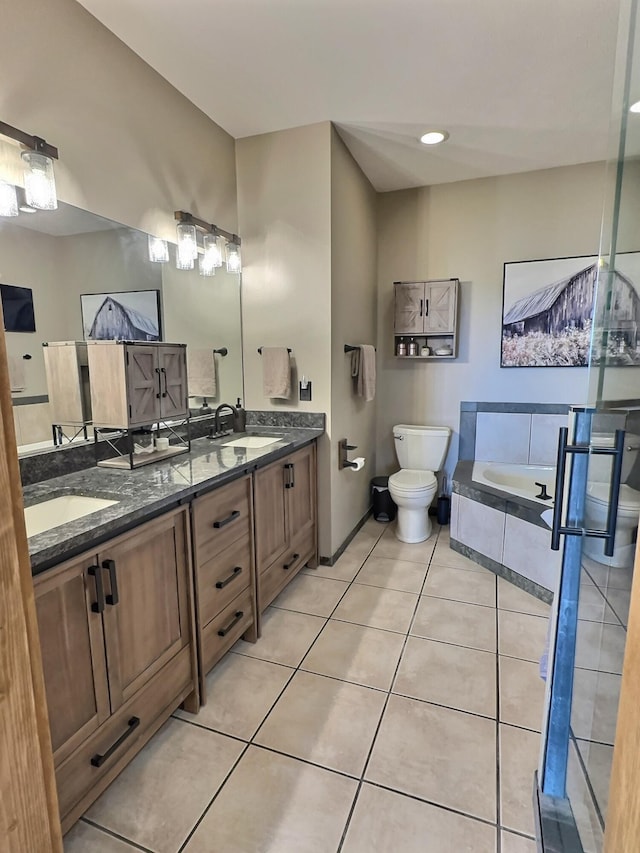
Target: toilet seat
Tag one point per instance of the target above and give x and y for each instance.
(411, 481)
(628, 502)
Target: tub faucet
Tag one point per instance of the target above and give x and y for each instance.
(543, 496)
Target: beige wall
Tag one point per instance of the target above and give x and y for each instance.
(468, 230)
(284, 213)
(131, 147)
(353, 321)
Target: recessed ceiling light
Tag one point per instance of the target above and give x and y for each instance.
(635, 108)
(434, 137)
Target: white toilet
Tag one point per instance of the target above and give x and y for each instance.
(421, 451)
(597, 503)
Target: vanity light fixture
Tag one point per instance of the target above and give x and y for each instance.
(207, 260)
(232, 252)
(187, 248)
(158, 250)
(8, 199)
(39, 179)
(434, 137)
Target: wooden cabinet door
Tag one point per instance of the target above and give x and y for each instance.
(409, 307)
(269, 501)
(143, 385)
(440, 307)
(148, 622)
(301, 496)
(73, 657)
(172, 363)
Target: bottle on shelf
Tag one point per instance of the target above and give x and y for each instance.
(412, 348)
(401, 348)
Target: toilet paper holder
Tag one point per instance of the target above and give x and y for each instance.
(343, 449)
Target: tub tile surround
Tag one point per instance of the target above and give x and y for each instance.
(359, 739)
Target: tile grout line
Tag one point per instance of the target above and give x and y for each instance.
(113, 834)
(384, 707)
(498, 769)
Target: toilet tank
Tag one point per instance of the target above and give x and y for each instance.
(600, 466)
(422, 448)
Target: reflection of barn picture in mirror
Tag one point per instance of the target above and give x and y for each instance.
(130, 316)
(549, 308)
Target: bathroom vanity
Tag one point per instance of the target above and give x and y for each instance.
(137, 601)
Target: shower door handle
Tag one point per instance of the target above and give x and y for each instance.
(564, 449)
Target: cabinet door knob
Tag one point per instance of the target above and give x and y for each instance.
(96, 572)
(110, 566)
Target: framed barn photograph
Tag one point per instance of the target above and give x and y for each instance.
(547, 309)
(132, 315)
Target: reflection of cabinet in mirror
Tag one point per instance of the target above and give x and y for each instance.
(137, 385)
(67, 373)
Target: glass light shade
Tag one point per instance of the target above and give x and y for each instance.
(8, 199)
(207, 260)
(158, 250)
(187, 248)
(39, 181)
(234, 264)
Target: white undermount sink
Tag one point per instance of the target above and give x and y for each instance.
(253, 441)
(57, 511)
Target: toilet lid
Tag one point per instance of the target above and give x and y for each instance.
(629, 498)
(411, 480)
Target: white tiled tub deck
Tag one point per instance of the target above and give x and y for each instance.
(393, 703)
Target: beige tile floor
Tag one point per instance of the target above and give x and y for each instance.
(393, 703)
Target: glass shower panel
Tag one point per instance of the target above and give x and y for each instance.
(614, 382)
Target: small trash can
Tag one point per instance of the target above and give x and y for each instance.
(384, 509)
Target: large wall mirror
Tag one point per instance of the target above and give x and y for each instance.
(62, 254)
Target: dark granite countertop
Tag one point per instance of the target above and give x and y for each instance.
(149, 491)
(464, 484)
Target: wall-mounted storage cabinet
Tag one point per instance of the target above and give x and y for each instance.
(67, 371)
(426, 314)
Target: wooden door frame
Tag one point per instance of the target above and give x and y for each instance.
(29, 817)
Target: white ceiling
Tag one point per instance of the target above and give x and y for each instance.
(519, 84)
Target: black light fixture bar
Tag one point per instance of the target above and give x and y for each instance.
(209, 228)
(35, 143)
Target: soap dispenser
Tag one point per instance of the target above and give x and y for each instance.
(239, 418)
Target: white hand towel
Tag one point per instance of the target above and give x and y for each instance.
(276, 372)
(17, 379)
(201, 372)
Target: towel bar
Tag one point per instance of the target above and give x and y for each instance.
(351, 348)
(260, 350)
(222, 351)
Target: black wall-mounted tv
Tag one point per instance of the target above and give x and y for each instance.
(17, 307)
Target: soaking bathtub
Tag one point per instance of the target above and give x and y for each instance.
(517, 480)
(498, 522)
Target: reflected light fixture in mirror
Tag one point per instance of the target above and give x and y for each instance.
(8, 199)
(158, 250)
(234, 263)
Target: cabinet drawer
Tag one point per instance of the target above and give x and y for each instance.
(222, 578)
(78, 778)
(221, 518)
(233, 621)
(274, 579)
